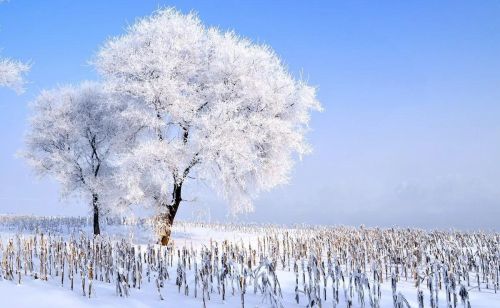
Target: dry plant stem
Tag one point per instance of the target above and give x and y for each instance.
(347, 260)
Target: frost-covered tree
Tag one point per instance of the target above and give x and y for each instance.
(12, 74)
(73, 137)
(210, 105)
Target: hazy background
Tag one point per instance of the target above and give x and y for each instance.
(411, 130)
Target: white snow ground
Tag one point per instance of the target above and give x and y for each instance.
(40, 294)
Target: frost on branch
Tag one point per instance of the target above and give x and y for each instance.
(12, 74)
(209, 106)
(73, 137)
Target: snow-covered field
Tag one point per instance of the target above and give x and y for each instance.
(232, 250)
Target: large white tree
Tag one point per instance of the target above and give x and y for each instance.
(210, 106)
(74, 137)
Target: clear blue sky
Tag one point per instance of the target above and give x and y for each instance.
(411, 129)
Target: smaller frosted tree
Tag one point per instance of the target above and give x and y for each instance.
(73, 138)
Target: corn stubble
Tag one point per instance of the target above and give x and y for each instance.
(331, 265)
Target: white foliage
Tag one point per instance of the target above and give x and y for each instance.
(73, 137)
(12, 74)
(209, 105)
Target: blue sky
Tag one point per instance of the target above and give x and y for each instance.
(410, 134)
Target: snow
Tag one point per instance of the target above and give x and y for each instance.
(37, 293)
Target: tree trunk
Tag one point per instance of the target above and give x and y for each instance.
(165, 220)
(95, 206)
